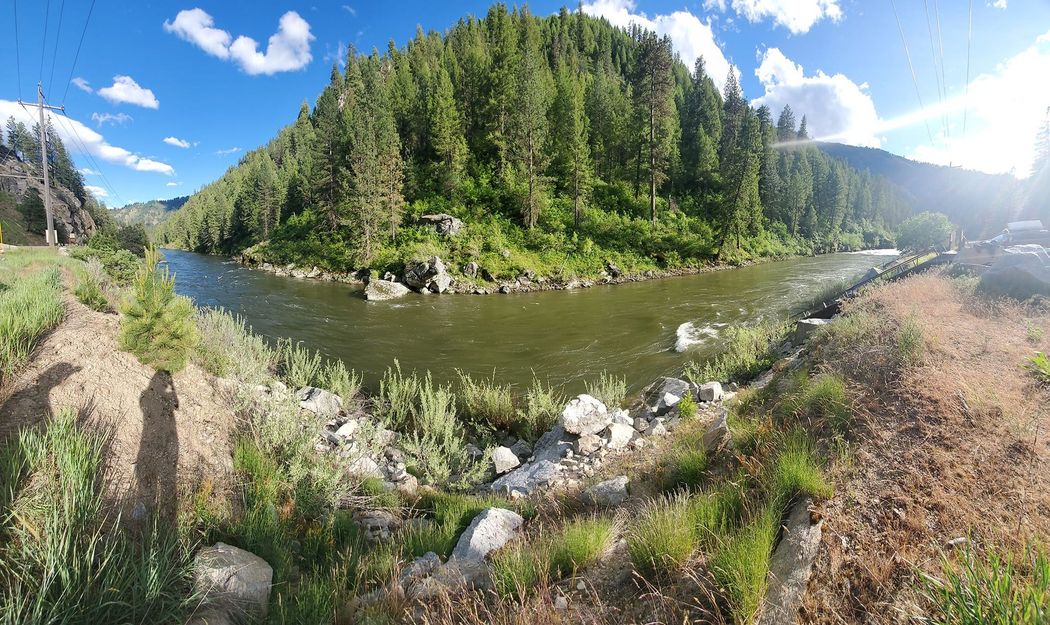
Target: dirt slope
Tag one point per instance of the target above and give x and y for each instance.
(167, 432)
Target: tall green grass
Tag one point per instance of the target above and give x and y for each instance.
(662, 538)
(748, 352)
(995, 590)
(797, 470)
(64, 557)
(741, 563)
(30, 306)
(489, 404)
(578, 544)
(91, 285)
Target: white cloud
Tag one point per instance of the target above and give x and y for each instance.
(798, 16)
(836, 108)
(353, 12)
(175, 141)
(87, 171)
(233, 150)
(198, 28)
(125, 89)
(999, 4)
(82, 84)
(79, 137)
(1004, 109)
(109, 118)
(98, 192)
(691, 37)
(172, 184)
(287, 50)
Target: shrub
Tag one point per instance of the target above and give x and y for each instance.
(28, 308)
(90, 286)
(608, 389)
(797, 470)
(299, 366)
(924, 230)
(227, 346)
(662, 538)
(121, 265)
(488, 403)
(687, 408)
(579, 544)
(996, 589)
(542, 407)
(911, 341)
(1039, 366)
(157, 325)
(748, 352)
(64, 559)
(395, 405)
(346, 383)
(434, 442)
(741, 564)
(518, 568)
(1033, 333)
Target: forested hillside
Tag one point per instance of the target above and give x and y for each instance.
(147, 213)
(562, 142)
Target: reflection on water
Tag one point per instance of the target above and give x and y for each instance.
(562, 336)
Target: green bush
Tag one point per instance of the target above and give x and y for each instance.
(543, 406)
(608, 389)
(662, 538)
(487, 403)
(346, 383)
(687, 408)
(395, 405)
(299, 366)
(158, 325)
(995, 589)
(121, 265)
(579, 544)
(90, 286)
(748, 352)
(30, 306)
(227, 346)
(924, 230)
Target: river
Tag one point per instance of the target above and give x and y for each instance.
(565, 337)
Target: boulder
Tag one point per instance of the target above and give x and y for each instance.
(612, 492)
(364, 467)
(470, 270)
(232, 581)
(504, 460)
(588, 444)
(612, 269)
(790, 567)
(544, 468)
(621, 416)
(585, 415)
(521, 448)
(320, 401)
(381, 290)
(1021, 272)
(490, 530)
(427, 275)
(378, 525)
(444, 224)
(806, 328)
(348, 429)
(710, 391)
(618, 435)
(717, 434)
(421, 567)
(656, 394)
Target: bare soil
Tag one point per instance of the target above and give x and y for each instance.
(166, 433)
(954, 446)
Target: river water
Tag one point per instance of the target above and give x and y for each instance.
(565, 337)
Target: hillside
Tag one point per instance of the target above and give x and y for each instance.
(981, 203)
(148, 214)
(562, 143)
(22, 213)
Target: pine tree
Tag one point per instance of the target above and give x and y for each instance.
(529, 124)
(654, 103)
(572, 159)
(446, 134)
(327, 146)
(786, 131)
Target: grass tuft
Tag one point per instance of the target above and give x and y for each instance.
(741, 564)
(911, 341)
(90, 286)
(579, 544)
(997, 589)
(487, 403)
(30, 306)
(518, 569)
(1039, 366)
(797, 470)
(663, 537)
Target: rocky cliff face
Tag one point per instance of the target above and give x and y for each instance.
(70, 215)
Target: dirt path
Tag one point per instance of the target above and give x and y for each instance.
(167, 432)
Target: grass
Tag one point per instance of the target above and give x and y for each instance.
(226, 346)
(90, 286)
(748, 351)
(1039, 366)
(608, 389)
(996, 590)
(714, 514)
(797, 470)
(157, 325)
(579, 544)
(741, 564)
(662, 538)
(911, 341)
(487, 403)
(518, 569)
(542, 406)
(821, 398)
(1033, 333)
(30, 306)
(65, 558)
(687, 467)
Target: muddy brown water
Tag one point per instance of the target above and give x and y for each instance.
(564, 337)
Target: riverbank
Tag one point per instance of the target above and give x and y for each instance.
(474, 503)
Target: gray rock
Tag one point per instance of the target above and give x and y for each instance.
(421, 567)
(320, 401)
(641, 424)
(233, 581)
(656, 393)
(427, 275)
(489, 531)
(611, 492)
(588, 444)
(445, 225)
(378, 525)
(656, 428)
(470, 270)
(504, 460)
(348, 429)
(585, 415)
(521, 448)
(364, 467)
(544, 467)
(1021, 271)
(791, 567)
(717, 434)
(621, 416)
(806, 328)
(710, 391)
(561, 603)
(381, 290)
(618, 435)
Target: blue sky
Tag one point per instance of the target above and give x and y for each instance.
(166, 95)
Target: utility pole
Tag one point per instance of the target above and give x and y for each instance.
(51, 236)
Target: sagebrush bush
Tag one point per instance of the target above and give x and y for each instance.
(542, 406)
(346, 383)
(227, 346)
(608, 389)
(91, 285)
(489, 404)
(395, 405)
(299, 366)
(157, 325)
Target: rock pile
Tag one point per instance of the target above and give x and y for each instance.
(427, 276)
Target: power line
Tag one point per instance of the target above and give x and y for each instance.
(82, 146)
(58, 37)
(18, 55)
(43, 42)
(914, 79)
(936, 72)
(77, 55)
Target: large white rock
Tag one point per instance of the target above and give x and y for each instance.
(233, 581)
(585, 415)
(381, 290)
(711, 391)
(320, 401)
(489, 531)
(618, 435)
(612, 492)
(504, 460)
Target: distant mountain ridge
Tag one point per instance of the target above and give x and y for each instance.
(981, 203)
(147, 213)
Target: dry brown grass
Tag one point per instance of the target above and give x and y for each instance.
(950, 444)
